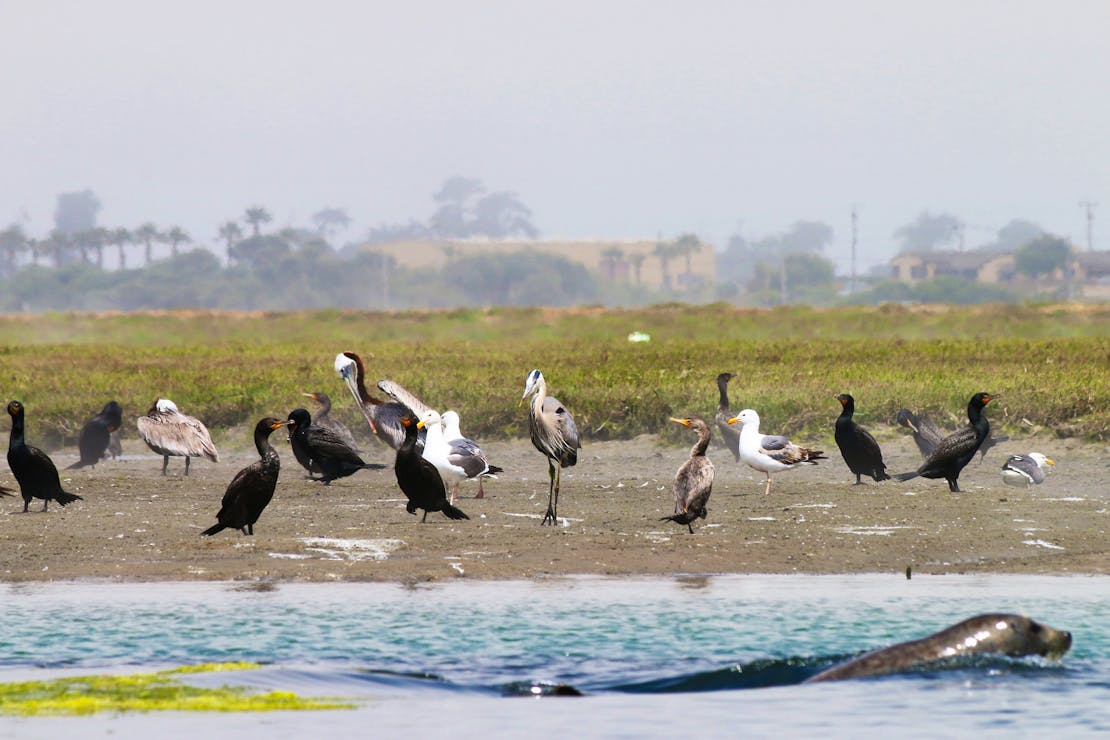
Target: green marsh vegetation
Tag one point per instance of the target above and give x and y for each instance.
(1048, 364)
(145, 692)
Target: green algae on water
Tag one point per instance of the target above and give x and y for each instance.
(149, 692)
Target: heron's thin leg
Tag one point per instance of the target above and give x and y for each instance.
(550, 515)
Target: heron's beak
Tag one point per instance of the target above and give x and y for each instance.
(734, 419)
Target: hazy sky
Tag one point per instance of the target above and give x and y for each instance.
(613, 119)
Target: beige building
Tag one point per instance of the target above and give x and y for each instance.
(984, 267)
(634, 261)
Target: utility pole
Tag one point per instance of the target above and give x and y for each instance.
(855, 235)
(1089, 207)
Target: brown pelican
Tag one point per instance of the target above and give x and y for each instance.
(770, 453)
(168, 432)
(383, 416)
(858, 448)
(694, 480)
(33, 469)
(553, 433)
(252, 487)
(956, 450)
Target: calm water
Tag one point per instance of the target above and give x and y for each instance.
(713, 656)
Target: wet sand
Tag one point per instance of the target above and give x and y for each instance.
(135, 525)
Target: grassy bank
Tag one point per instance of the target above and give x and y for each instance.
(1047, 363)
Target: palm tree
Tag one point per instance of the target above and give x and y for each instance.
(612, 257)
(148, 234)
(687, 245)
(256, 216)
(637, 262)
(176, 235)
(664, 251)
(120, 237)
(57, 245)
(13, 241)
(330, 219)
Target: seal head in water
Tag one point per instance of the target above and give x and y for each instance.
(986, 634)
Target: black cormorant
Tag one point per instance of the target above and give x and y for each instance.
(33, 469)
(321, 450)
(252, 487)
(418, 479)
(860, 450)
(96, 435)
(956, 450)
(730, 434)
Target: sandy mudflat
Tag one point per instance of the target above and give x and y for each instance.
(136, 525)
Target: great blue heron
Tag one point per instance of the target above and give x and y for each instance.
(383, 416)
(858, 448)
(553, 433)
(694, 480)
(168, 432)
(956, 450)
(1025, 470)
(33, 469)
(730, 435)
(770, 453)
(418, 479)
(96, 435)
(252, 487)
(320, 450)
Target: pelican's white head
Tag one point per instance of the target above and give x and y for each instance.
(164, 405)
(344, 366)
(532, 382)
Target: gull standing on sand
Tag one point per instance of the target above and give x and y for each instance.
(554, 433)
(1025, 470)
(694, 480)
(168, 432)
(466, 449)
(770, 453)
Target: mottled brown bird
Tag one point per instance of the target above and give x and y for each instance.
(694, 480)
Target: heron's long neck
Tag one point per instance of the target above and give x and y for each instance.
(538, 398)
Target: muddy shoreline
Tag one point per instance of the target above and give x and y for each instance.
(135, 525)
